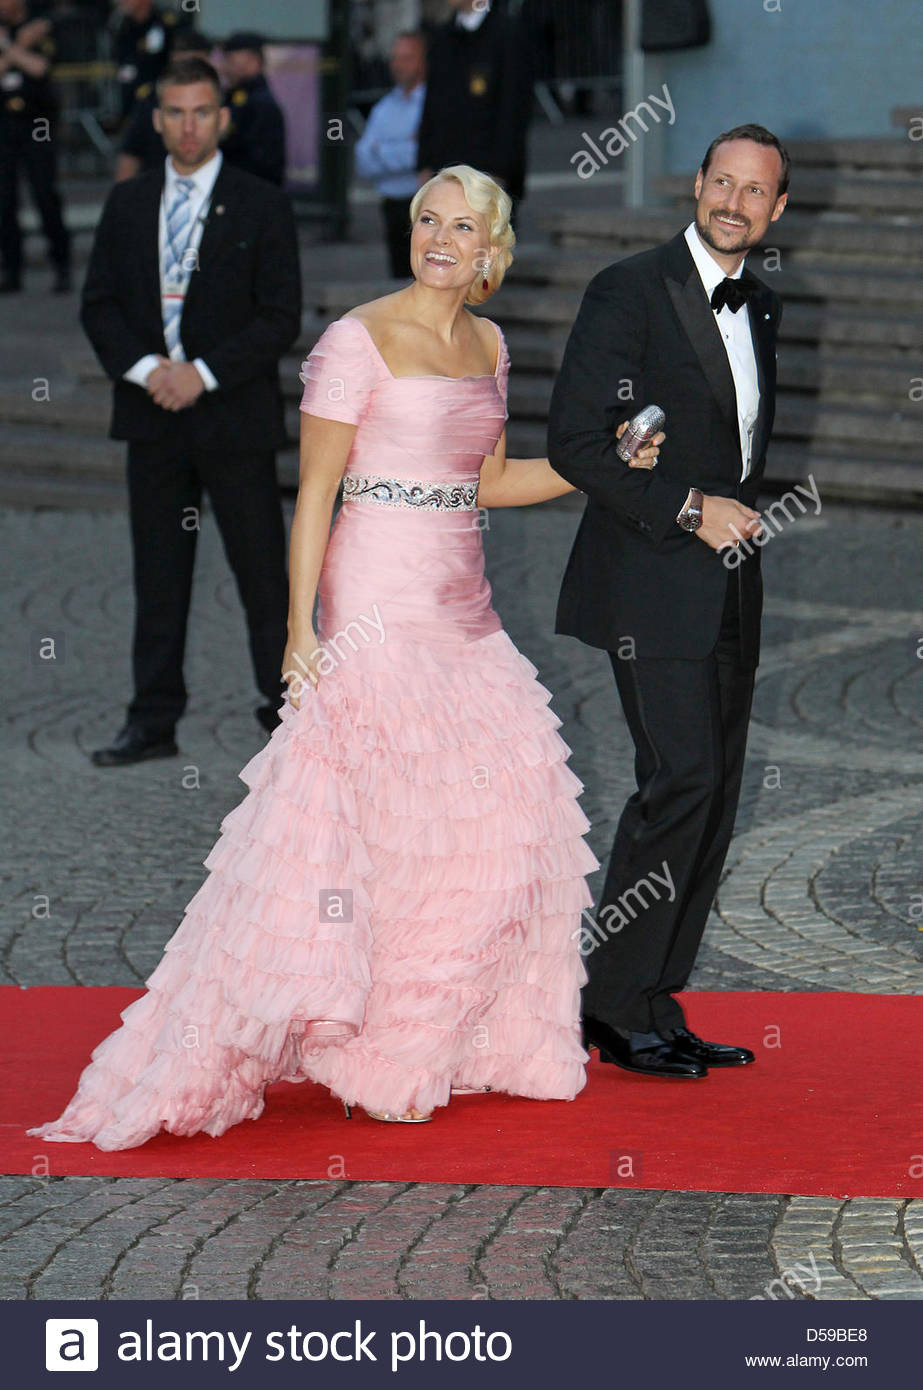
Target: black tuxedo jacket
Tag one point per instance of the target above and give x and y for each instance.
(242, 310)
(646, 335)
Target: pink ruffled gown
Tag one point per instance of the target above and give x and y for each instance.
(394, 908)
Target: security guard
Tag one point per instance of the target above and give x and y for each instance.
(255, 138)
(142, 148)
(28, 109)
(143, 41)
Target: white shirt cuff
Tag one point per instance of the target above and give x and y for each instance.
(210, 383)
(142, 369)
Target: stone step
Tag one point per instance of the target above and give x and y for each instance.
(823, 188)
(82, 405)
(802, 374)
(50, 467)
(875, 477)
(556, 308)
(63, 468)
(865, 153)
(46, 466)
(833, 373)
(797, 417)
(826, 380)
(803, 235)
(51, 451)
(844, 365)
(865, 283)
(835, 376)
(816, 323)
(33, 489)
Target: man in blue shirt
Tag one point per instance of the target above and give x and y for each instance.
(387, 150)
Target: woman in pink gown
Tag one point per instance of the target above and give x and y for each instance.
(394, 908)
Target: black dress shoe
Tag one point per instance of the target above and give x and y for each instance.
(134, 744)
(708, 1053)
(657, 1058)
(269, 717)
(62, 282)
(10, 284)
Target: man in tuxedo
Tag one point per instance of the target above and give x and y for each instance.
(192, 295)
(659, 579)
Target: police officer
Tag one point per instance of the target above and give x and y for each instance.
(142, 148)
(255, 138)
(28, 109)
(143, 41)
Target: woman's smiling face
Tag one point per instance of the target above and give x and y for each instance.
(448, 241)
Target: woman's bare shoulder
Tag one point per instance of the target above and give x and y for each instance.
(489, 334)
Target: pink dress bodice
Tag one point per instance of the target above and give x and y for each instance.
(408, 536)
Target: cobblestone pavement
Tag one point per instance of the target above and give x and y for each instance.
(822, 891)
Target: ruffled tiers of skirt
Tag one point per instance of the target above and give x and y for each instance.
(408, 865)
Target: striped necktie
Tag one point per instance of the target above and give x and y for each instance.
(179, 215)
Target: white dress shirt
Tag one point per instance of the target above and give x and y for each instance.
(204, 181)
(738, 344)
(387, 149)
(472, 19)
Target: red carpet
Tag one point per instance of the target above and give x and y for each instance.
(833, 1109)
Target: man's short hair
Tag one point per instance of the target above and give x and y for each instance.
(184, 71)
(760, 136)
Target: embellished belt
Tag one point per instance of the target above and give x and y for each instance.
(410, 492)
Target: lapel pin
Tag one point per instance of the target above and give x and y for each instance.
(220, 209)
(765, 316)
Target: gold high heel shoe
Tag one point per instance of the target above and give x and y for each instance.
(469, 1090)
(330, 1030)
(405, 1119)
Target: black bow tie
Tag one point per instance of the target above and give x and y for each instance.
(733, 293)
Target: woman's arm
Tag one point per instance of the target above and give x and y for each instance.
(507, 482)
(325, 446)
(518, 482)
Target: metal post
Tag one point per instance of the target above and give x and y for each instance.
(633, 93)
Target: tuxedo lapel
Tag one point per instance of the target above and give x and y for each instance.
(690, 301)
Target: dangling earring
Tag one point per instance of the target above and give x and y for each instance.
(484, 284)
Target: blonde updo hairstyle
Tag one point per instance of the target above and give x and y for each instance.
(485, 196)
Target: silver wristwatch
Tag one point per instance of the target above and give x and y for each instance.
(690, 518)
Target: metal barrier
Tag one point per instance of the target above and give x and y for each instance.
(86, 87)
(578, 50)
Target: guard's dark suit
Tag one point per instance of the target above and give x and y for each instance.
(255, 138)
(479, 99)
(681, 628)
(242, 311)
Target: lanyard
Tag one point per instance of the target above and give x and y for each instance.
(182, 272)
